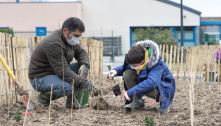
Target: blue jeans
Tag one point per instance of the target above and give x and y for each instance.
(60, 87)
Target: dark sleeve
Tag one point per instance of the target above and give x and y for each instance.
(58, 62)
(81, 56)
(119, 70)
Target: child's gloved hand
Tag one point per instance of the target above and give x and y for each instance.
(126, 96)
(112, 74)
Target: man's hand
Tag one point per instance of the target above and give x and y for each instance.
(112, 74)
(88, 86)
(81, 82)
(83, 71)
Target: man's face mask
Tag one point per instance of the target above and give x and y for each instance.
(73, 37)
(74, 40)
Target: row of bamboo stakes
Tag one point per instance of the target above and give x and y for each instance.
(17, 52)
(179, 61)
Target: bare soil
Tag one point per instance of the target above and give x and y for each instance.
(207, 110)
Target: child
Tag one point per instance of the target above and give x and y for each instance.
(144, 73)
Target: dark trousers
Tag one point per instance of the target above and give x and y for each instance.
(130, 78)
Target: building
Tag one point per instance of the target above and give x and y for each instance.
(112, 21)
(25, 17)
(210, 30)
(121, 17)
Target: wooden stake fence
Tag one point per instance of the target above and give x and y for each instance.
(179, 61)
(17, 52)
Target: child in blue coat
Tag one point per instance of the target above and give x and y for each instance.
(144, 73)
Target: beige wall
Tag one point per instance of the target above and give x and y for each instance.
(26, 16)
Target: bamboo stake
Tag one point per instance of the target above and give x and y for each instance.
(26, 111)
(208, 67)
(171, 53)
(163, 53)
(49, 110)
(219, 67)
(182, 71)
(174, 60)
(167, 54)
(215, 68)
(72, 100)
(191, 90)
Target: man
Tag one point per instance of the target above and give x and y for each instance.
(144, 73)
(50, 66)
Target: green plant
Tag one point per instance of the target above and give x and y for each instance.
(149, 121)
(7, 30)
(159, 35)
(18, 115)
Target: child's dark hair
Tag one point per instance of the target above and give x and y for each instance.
(73, 24)
(135, 55)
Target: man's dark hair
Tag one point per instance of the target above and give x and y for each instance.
(135, 55)
(73, 23)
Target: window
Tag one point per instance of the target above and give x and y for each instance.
(111, 44)
(188, 34)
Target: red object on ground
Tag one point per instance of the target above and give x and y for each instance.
(24, 100)
(27, 113)
(151, 102)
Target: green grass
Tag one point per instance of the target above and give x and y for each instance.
(149, 121)
(18, 115)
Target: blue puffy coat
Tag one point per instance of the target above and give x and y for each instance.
(156, 74)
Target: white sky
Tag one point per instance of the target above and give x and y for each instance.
(208, 8)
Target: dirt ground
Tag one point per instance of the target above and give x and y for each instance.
(207, 111)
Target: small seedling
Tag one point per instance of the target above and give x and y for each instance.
(149, 121)
(18, 115)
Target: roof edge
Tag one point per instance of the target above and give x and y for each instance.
(178, 5)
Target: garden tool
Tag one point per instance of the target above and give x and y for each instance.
(21, 92)
(116, 89)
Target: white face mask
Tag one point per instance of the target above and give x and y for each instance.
(74, 40)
